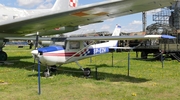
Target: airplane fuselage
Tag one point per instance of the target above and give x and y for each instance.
(62, 56)
(73, 50)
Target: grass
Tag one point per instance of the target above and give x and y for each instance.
(147, 80)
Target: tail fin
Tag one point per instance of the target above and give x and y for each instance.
(64, 5)
(116, 32)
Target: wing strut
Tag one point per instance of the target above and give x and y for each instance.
(80, 51)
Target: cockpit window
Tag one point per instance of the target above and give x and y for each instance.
(59, 41)
(74, 45)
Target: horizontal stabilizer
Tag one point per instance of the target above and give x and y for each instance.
(167, 37)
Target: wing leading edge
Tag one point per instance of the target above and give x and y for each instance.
(83, 15)
(121, 37)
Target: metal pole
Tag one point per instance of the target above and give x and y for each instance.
(136, 54)
(36, 46)
(144, 21)
(96, 73)
(90, 60)
(128, 62)
(39, 78)
(112, 59)
(162, 60)
(37, 38)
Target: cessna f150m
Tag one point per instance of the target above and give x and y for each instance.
(65, 16)
(73, 49)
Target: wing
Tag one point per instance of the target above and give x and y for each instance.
(82, 15)
(121, 37)
(28, 38)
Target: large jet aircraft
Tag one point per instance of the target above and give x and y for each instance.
(65, 16)
(73, 49)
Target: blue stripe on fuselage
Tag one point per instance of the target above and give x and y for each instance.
(50, 49)
(93, 51)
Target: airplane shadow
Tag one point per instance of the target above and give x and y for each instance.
(75, 72)
(16, 58)
(148, 59)
(19, 62)
(105, 65)
(153, 59)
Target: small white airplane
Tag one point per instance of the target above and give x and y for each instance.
(65, 16)
(73, 49)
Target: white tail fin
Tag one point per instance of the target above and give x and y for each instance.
(116, 32)
(65, 4)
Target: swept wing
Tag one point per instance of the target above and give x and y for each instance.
(82, 15)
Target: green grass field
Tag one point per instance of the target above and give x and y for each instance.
(147, 80)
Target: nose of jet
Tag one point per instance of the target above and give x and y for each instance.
(34, 52)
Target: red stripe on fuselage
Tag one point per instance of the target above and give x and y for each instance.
(62, 54)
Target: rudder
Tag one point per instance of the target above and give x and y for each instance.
(116, 32)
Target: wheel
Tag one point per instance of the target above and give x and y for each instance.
(3, 56)
(87, 71)
(143, 55)
(46, 73)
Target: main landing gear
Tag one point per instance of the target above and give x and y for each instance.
(3, 56)
(53, 69)
(87, 71)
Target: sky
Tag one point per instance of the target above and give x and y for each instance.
(129, 23)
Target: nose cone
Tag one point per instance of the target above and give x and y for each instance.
(34, 52)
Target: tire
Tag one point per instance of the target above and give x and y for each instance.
(87, 71)
(3, 56)
(46, 73)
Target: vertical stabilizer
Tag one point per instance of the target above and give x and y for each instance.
(65, 4)
(116, 32)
